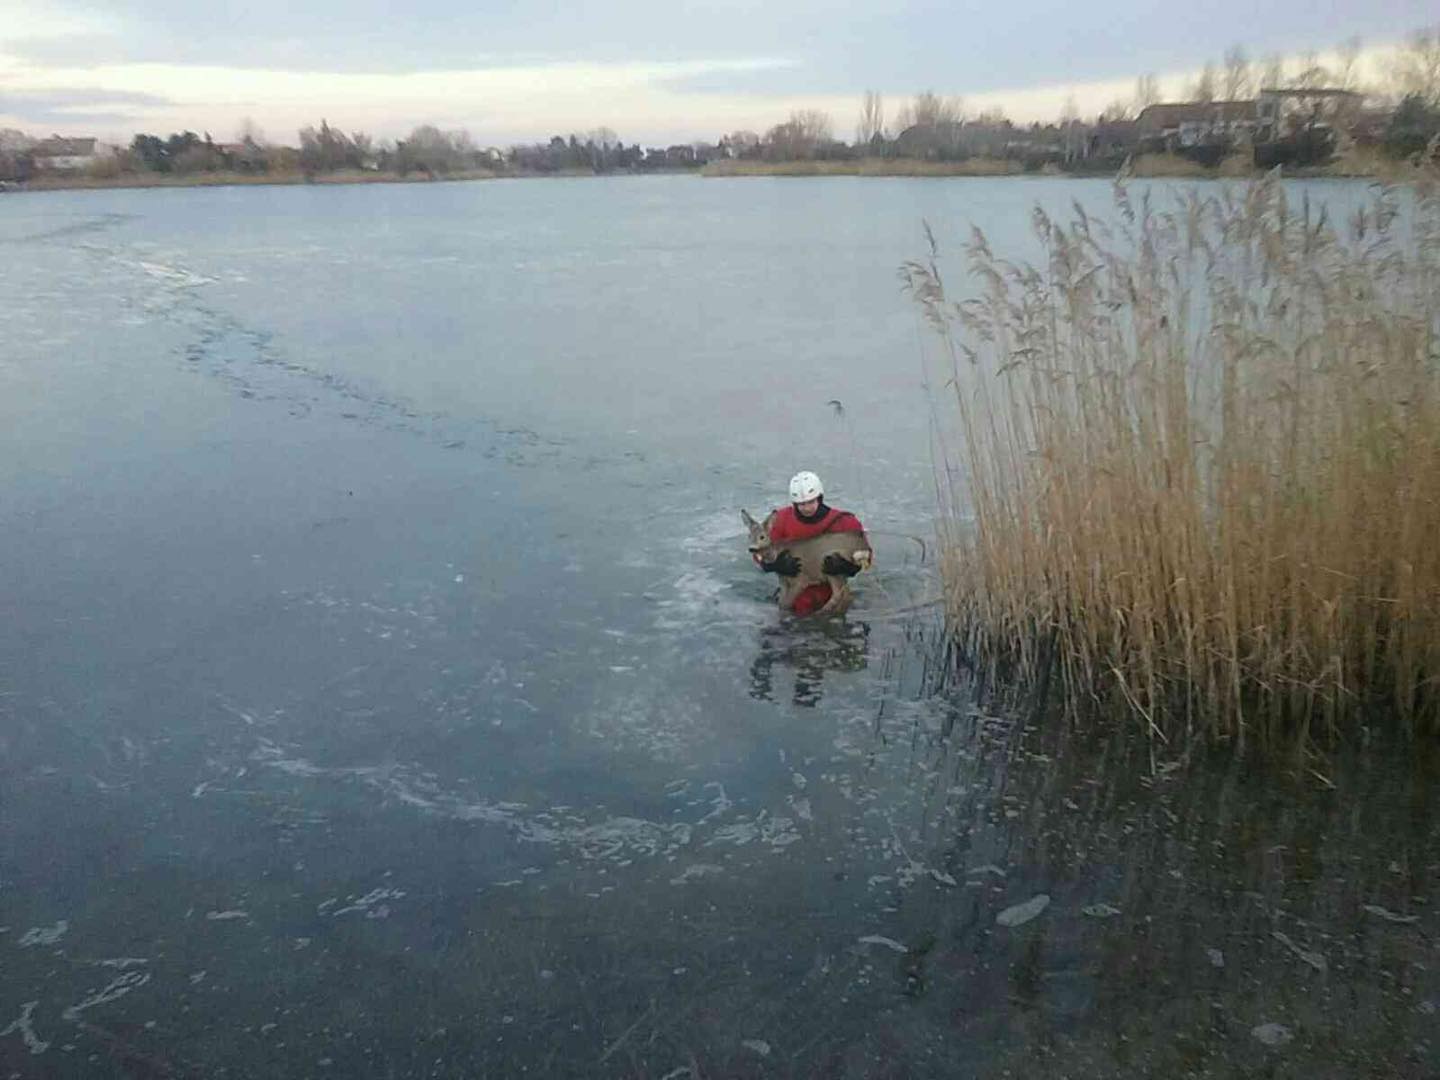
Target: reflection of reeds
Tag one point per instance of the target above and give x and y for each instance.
(1199, 451)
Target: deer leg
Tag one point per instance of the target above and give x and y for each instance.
(839, 596)
(788, 593)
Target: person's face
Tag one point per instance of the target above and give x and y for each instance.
(808, 507)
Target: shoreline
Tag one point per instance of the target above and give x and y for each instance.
(233, 179)
(1145, 167)
(239, 179)
(883, 167)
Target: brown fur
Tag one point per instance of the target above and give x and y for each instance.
(811, 553)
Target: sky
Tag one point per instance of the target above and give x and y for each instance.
(655, 71)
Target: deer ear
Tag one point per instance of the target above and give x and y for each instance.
(750, 522)
(770, 519)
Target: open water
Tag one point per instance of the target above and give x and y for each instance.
(385, 692)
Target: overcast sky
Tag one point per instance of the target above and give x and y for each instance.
(655, 71)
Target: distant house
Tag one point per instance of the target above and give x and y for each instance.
(1113, 138)
(245, 156)
(58, 154)
(741, 144)
(1284, 112)
(951, 139)
(986, 139)
(1188, 124)
(938, 140)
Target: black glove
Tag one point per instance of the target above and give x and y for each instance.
(838, 565)
(784, 564)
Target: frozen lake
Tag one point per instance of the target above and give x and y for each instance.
(384, 689)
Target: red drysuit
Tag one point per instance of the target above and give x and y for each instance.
(789, 526)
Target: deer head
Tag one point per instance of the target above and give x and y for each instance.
(759, 540)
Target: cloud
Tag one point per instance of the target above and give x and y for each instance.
(28, 31)
(21, 20)
(380, 37)
(70, 97)
(765, 80)
(497, 104)
(69, 107)
(653, 70)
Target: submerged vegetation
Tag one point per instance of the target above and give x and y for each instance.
(1196, 472)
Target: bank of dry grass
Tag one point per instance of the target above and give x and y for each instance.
(1169, 165)
(864, 167)
(1196, 464)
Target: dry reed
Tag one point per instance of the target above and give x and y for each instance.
(1197, 461)
(1171, 165)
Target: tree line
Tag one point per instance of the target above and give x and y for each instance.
(1409, 92)
(923, 127)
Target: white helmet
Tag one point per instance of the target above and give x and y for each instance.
(805, 486)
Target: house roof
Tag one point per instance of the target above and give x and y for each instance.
(57, 146)
(944, 131)
(1319, 91)
(1169, 116)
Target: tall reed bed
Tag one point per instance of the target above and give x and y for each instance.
(1195, 469)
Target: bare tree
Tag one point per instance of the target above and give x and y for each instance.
(1072, 131)
(1235, 83)
(930, 109)
(328, 149)
(1203, 88)
(1272, 72)
(1312, 74)
(741, 143)
(800, 136)
(872, 119)
(1147, 92)
(430, 150)
(1347, 69)
(814, 124)
(1417, 70)
(1118, 109)
(250, 134)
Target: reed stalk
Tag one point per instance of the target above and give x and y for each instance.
(1195, 459)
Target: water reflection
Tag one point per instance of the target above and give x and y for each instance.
(811, 649)
(1222, 916)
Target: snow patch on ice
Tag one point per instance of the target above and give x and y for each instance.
(23, 1027)
(43, 935)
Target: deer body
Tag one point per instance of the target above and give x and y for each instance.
(811, 553)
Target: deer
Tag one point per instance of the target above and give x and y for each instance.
(812, 554)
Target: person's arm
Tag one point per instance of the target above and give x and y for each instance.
(840, 566)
